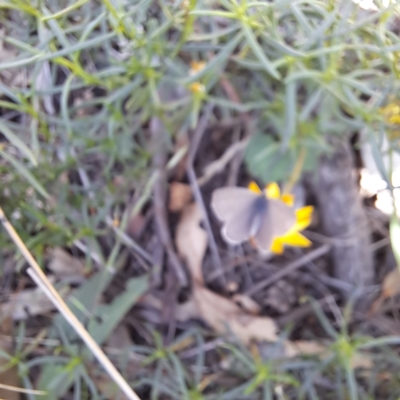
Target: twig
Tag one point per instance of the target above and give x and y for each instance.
(43, 282)
(128, 241)
(236, 160)
(289, 268)
(218, 165)
(159, 200)
(245, 118)
(198, 134)
(22, 390)
(302, 311)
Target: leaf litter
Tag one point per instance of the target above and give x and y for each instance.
(225, 315)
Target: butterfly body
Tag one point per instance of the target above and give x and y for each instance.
(249, 215)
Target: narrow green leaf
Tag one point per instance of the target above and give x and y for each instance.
(356, 84)
(25, 173)
(109, 315)
(215, 62)
(377, 155)
(282, 47)
(18, 143)
(290, 112)
(311, 104)
(259, 52)
(298, 75)
(19, 63)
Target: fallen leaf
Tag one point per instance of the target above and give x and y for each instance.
(191, 240)
(183, 311)
(390, 288)
(222, 314)
(247, 303)
(29, 302)
(64, 265)
(180, 195)
(304, 347)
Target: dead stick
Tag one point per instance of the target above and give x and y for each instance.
(289, 268)
(42, 281)
(198, 134)
(160, 214)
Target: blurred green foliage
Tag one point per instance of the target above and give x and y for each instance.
(79, 83)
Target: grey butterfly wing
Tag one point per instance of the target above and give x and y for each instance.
(233, 206)
(278, 220)
(228, 201)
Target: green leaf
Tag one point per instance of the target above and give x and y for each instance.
(18, 143)
(259, 52)
(83, 300)
(266, 161)
(25, 173)
(290, 112)
(216, 61)
(108, 316)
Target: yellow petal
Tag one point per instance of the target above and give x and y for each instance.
(304, 212)
(272, 191)
(197, 87)
(288, 199)
(295, 239)
(254, 187)
(196, 66)
(303, 218)
(395, 119)
(301, 224)
(277, 246)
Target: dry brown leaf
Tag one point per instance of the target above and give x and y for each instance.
(180, 195)
(223, 315)
(247, 303)
(304, 347)
(29, 302)
(390, 288)
(191, 240)
(220, 313)
(64, 265)
(183, 312)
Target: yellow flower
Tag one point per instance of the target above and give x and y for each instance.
(391, 112)
(197, 87)
(303, 219)
(196, 66)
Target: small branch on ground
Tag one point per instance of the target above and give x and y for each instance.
(198, 134)
(159, 200)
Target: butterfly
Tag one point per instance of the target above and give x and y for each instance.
(250, 215)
